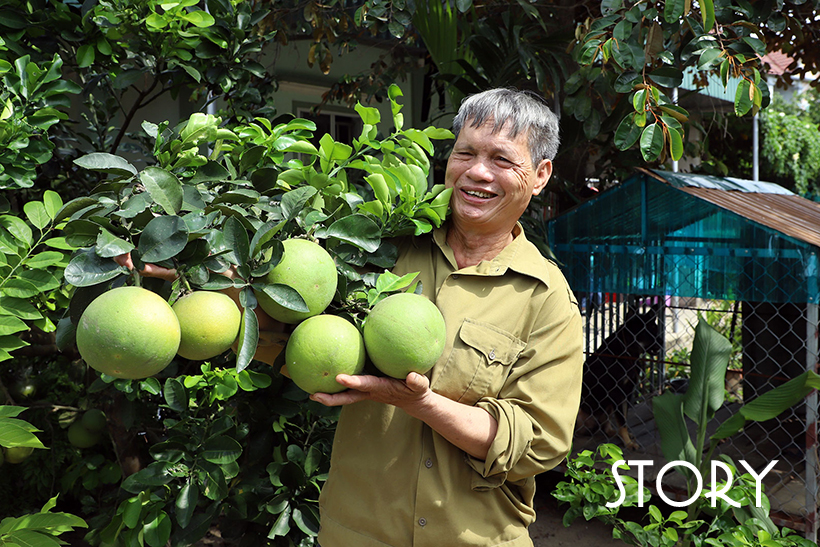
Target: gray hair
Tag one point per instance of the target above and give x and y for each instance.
(516, 112)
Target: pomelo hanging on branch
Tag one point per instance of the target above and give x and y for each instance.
(209, 324)
(128, 332)
(309, 269)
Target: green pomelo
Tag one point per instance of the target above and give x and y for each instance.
(404, 333)
(128, 332)
(80, 437)
(16, 454)
(320, 348)
(94, 420)
(309, 269)
(209, 324)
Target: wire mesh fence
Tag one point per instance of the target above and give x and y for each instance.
(639, 346)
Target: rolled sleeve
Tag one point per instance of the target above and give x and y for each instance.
(538, 404)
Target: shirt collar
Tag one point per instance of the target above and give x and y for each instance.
(520, 256)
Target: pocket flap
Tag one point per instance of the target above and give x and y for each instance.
(495, 344)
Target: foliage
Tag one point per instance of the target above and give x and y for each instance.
(590, 486)
(124, 56)
(34, 529)
(221, 198)
(791, 143)
(34, 98)
(703, 397)
(32, 260)
(613, 76)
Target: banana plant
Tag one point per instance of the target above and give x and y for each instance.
(704, 396)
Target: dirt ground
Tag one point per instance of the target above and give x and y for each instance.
(549, 530)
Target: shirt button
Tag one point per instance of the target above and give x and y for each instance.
(428, 463)
(455, 276)
(422, 521)
(492, 355)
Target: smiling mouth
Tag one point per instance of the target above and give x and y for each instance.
(478, 194)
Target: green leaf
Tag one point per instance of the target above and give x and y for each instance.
(151, 385)
(11, 411)
(85, 55)
(20, 288)
(36, 213)
(651, 142)
(17, 228)
(157, 530)
(709, 360)
(305, 522)
(9, 342)
(52, 202)
(10, 324)
(707, 9)
(14, 432)
(369, 115)
(743, 97)
(221, 450)
(360, 230)
(667, 76)
(673, 10)
(294, 201)
(302, 147)
(87, 269)
(283, 295)
(164, 187)
(175, 394)
(73, 206)
(627, 133)
(332, 152)
(675, 441)
(107, 163)
(282, 525)
(185, 503)
(44, 260)
(109, 245)
(19, 307)
(29, 538)
(248, 339)
(163, 237)
(235, 237)
(708, 58)
(675, 143)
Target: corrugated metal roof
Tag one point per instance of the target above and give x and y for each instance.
(766, 203)
(686, 180)
(790, 215)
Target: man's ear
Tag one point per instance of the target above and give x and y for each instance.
(542, 176)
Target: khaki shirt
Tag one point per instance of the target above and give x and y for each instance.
(514, 349)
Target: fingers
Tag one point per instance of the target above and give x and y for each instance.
(418, 383)
(339, 399)
(125, 260)
(150, 270)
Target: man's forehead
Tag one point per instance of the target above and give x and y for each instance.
(505, 137)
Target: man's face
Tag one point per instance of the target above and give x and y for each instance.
(493, 179)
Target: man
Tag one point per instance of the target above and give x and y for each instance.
(449, 458)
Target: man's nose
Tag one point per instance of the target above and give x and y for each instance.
(479, 170)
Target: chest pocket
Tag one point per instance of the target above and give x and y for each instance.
(479, 363)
